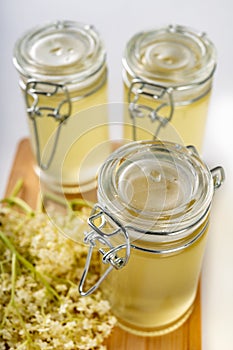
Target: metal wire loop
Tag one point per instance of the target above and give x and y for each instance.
(35, 89)
(157, 93)
(218, 176)
(108, 249)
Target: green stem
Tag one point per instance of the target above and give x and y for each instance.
(39, 203)
(56, 199)
(68, 203)
(28, 265)
(80, 203)
(12, 299)
(22, 346)
(13, 278)
(17, 188)
(2, 263)
(20, 203)
(29, 339)
(62, 280)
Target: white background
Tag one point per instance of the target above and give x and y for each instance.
(117, 21)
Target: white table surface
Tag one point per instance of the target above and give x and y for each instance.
(117, 21)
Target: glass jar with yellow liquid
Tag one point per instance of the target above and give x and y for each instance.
(168, 75)
(63, 76)
(150, 226)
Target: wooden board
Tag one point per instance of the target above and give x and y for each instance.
(187, 337)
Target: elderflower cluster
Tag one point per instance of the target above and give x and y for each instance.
(40, 306)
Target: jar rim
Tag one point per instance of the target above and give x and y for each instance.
(169, 218)
(174, 56)
(60, 52)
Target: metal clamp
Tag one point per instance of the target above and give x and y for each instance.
(112, 239)
(35, 89)
(218, 176)
(156, 92)
(217, 173)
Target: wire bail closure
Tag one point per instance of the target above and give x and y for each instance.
(113, 241)
(218, 176)
(156, 92)
(218, 173)
(35, 89)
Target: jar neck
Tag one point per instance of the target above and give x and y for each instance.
(182, 94)
(77, 89)
(163, 243)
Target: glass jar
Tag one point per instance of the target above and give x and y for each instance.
(62, 69)
(150, 226)
(168, 75)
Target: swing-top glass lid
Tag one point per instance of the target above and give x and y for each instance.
(63, 51)
(156, 187)
(171, 56)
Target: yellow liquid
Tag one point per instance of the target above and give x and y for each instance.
(154, 293)
(187, 126)
(82, 144)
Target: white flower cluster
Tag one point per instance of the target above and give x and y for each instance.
(40, 306)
